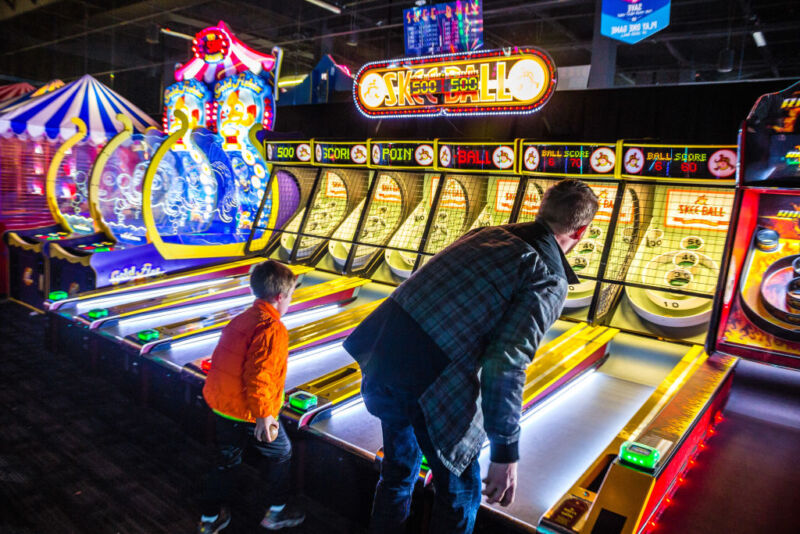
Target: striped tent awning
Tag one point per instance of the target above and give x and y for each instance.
(14, 90)
(87, 99)
(7, 105)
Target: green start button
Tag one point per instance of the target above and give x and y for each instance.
(148, 335)
(639, 455)
(302, 400)
(57, 295)
(97, 313)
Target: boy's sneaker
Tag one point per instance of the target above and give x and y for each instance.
(288, 517)
(212, 527)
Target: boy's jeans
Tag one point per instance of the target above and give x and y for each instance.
(231, 439)
(405, 440)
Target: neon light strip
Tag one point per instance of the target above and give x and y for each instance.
(317, 351)
(301, 317)
(211, 306)
(105, 302)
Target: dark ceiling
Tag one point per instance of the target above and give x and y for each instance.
(121, 42)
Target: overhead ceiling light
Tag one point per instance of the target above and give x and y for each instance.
(325, 5)
(725, 60)
(758, 37)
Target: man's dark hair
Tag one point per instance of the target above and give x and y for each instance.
(567, 206)
(270, 279)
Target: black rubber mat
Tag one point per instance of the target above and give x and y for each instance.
(746, 480)
(77, 456)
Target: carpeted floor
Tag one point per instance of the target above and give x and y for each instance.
(77, 456)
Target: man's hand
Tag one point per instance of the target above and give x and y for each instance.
(266, 429)
(501, 483)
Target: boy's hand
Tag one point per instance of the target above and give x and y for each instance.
(266, 429)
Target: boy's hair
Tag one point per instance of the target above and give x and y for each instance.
(270, 279)
(567, 206)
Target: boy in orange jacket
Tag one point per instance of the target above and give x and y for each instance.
(244, 388)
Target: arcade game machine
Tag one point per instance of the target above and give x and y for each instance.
(741, 478)
(187, 338)
(204, 188)
(115, 204)
(442, 211)
(239, 101)
(668, 250)
(314, 346)
(399, 184)
(67, 190)
(339, 192)
(83, 111)
(330, 408)
(24, 161)
(23, 165)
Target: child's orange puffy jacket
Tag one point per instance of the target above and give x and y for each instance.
(248, 368)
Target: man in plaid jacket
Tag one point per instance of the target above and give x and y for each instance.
(444, 358)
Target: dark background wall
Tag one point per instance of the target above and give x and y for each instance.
(691, 114)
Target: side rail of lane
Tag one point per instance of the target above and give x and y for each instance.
(632, 478)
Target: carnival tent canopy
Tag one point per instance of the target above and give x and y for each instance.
(14, 90)
(86, 99)
(7, 105)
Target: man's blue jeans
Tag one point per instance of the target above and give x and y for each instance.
(405, 440)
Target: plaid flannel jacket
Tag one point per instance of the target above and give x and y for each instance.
(486, 300)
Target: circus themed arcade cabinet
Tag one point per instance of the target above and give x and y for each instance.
(83, 113)
(115, 204)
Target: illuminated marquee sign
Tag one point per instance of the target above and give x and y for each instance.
(285, 152)
(489, 82)
(692, 162)
(401, 154)
(477, 157)
(567, 159)
(339, 154)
